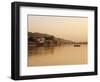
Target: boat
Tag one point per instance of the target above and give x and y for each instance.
(77, 45)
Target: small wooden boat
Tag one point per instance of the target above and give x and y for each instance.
(77, 45)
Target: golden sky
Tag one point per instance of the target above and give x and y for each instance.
(69, 28)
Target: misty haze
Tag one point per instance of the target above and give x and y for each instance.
(57, 40)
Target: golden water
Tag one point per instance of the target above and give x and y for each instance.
(61, 55)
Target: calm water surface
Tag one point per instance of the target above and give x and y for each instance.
(61, 55)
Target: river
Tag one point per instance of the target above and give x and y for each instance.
(60, 55)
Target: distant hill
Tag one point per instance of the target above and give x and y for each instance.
(40, 39)
(36, 35)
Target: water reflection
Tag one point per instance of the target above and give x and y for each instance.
(47, 50)
(60, 55)
(41, 50)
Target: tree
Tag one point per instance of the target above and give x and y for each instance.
(30, 39)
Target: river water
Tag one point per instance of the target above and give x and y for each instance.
(60, 55)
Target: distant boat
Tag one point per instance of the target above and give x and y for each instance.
(77, 45)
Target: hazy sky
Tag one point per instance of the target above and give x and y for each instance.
(69, 28)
